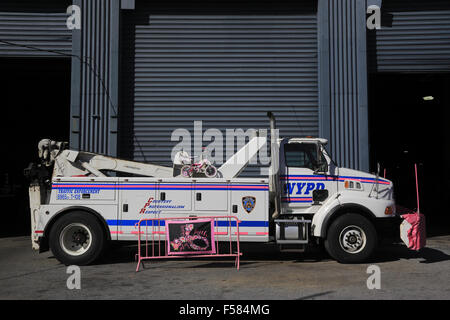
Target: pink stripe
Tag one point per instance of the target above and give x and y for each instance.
(250, 187)
(241, 233)
(116, 232)
(305, 178)
(136, 232)
(233, 187)
(262, 233)
(221, 233)
(178, 187)
(83, 186)
(152, 186)
(138, 185)
(364, 180)
(159, 232)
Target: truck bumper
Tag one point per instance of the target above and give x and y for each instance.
(388, 229)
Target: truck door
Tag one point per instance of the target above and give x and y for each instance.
(300, 176)
(174, 196)
(137, 201)
(211, 196)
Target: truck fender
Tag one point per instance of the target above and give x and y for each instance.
(328, 212)
(318, 219)
(67, 210)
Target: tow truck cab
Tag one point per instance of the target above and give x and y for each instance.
(346, 208)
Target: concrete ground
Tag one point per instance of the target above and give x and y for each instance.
(264, 274)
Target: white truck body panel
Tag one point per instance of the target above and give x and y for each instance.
(109, 196)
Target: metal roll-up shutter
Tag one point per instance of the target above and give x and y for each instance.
(225, 70)
(40, 24)
(414, 37)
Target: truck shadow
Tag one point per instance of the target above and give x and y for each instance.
(253, 254)
(396, 252)
(312, 296)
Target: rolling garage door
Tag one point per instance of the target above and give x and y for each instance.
(40, 24)
(226, 70)
(414, 37)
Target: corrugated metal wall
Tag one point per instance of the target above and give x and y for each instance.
(343, 81)
(94, 100)
(414, 37)
(226, 70)
(39, 24)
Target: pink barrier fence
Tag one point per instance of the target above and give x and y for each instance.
(155, 238)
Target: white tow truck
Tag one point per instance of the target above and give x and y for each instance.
(306, 200)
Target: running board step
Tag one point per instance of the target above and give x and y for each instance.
(292, 231)
(292, 247)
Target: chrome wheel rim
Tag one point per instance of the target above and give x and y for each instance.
(75, 239)
(352, 239)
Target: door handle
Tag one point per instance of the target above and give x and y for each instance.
(162, 196)
(125, 207)
(199, 196)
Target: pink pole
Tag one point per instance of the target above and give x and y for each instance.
(417, 189)
(139, 247)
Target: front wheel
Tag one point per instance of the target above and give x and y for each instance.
(77, 238)
(210, 171)
(186, 171)
(351, 238)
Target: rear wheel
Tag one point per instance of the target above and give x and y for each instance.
(210, 171)
(77, 238)
(351, 238)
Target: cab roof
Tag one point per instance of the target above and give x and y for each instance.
(301, 140)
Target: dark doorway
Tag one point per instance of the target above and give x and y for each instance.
(35, 104)
(409, 125)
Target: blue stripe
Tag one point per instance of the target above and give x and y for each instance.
(223, 223)
(134, 222)
(325, 178)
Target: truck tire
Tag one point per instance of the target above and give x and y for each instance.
(77, 238)
(351, 238)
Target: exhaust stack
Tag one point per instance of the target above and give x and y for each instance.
(274, 175)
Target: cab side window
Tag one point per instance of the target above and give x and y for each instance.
(301, 155)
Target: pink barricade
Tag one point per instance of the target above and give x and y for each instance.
(188, 237)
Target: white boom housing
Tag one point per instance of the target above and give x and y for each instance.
(239, 161)
(75, 163)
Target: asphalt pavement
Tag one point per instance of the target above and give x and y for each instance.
(264, 273)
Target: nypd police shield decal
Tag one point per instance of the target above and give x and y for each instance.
(248, 203)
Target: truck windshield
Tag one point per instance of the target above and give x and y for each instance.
(302, 155)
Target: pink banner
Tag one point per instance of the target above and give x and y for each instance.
(189, 237)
